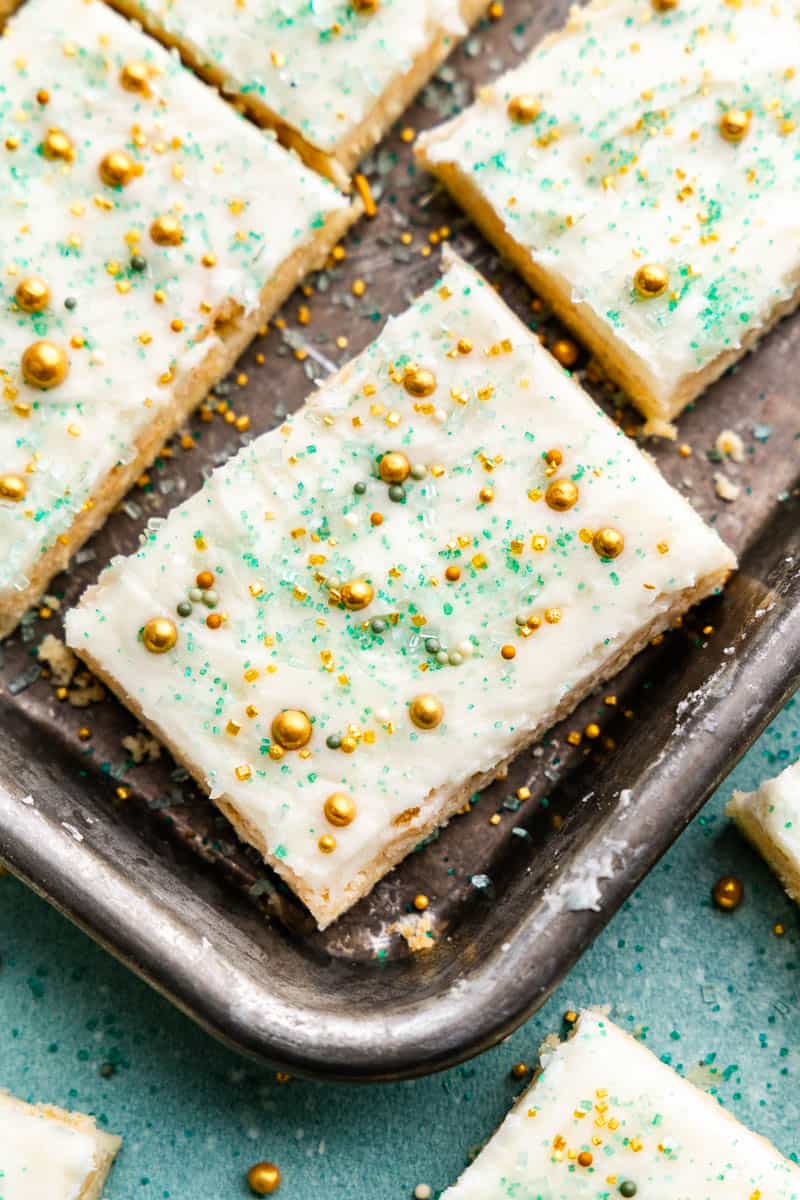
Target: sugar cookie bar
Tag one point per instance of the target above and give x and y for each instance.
(605, 1119)
(49, 1154)
(770, 819)
(331, 76)
(147, 231)
(359, 619)
(639, 169)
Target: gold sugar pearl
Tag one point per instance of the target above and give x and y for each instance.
(135, 77)
(452, 573)
(340, 809)
(45, 365)
(57, 145)
(159, 635)
(13, 488)
(523, 109)
(728, 893)
(585, 1158)
(264, 1178)
(486, 495)
(508, 652)
(426, 711)
(357, 594)
(734, 124)
(365, 7)
(663, 6)
(651, 280)
(608, 543)
(291, 729)
(166, 231)
(43, 97)
(394, 467)
(117, 169)
(419, 382)
(327, 843)
(554, 458)
(561, 495)
(32, 294)
(520, 1070)
(565, 352)
(204, 580)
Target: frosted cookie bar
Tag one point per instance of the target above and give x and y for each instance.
(369, 610)
(331, 76)
(639, 169)
(770, 819)
(605, 1118)
(147, 232)
(49, 1154)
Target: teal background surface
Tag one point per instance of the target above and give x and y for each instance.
(717, 996)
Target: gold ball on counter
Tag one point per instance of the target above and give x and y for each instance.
(12, 487)
(117, 168)
(394, 467)
(565, 352)
(734, 124)
(486, 495)
(419, 382)
(264, 1178)
(166, 231)
(327, 843)
(45, 365)
(32, 294)
(608, 543)
(523, 109)
(135, 77)
(508, 652)
(426, 711)
(651, 280)
(291, 729)
(340, 809)
(561, 495)
(57, 145)
(663, 6)
(159, 635)
(728, 893)
(452, 573)
(357, 594)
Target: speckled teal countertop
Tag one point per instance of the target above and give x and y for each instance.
(719, 996)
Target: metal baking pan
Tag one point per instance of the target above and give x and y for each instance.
(158, 877)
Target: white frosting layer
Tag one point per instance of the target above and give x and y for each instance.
(322, 67)
(238, 195)
(625, 165)
(41, 1158)
(603, 1094)
(283, 517)
(775, 810)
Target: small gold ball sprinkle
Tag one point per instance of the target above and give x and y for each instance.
(357, 594)
(663, 6)
(45, 365)
(264, 1178)
(554, 458)
(561, 495)
(419, 382)
(426, 711)
(365, 6)
(565, 352)
(394, 467)
(135, 77)
(205, 580)
(291, 729)
(585, 1158)
(421, 902)
(519, 1070)
(327, 843)
(43, 97)
(166, 231)
(13, 488)
(608, 543)
(32, 294)
(159, 635)
(734, 124)
(214, 620)
(453, 573)
(340, 809)
(508, 652)
(117, 169)
(57, 145)
(523, 109)
(486, 495)
(728, 893)
(651, 280)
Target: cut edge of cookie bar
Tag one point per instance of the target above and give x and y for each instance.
(553, 1047)
(107, 1145)
(236, 333)
(325, 912)
(744, 809)
(625, 368)
(339, 165)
